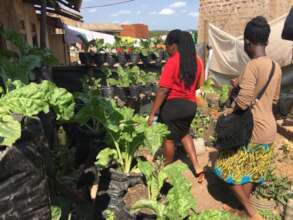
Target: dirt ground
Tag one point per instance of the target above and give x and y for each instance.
(213, 193)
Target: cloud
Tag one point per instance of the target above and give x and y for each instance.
(178, 5)
(92, 10)
(166, 11)
(193, 14)
(138, 12)
(116, 22)
(122, 12)
(153, 13)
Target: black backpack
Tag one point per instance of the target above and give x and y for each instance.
(288, 27)
(235, 130)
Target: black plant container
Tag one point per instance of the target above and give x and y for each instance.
(134, 91)
(134, 58)
(120, 93)
(111, 59)
(159, 59)
(85, 58)
(112, 188)
(122, 59)
(146, 59)
(107, 91)
(99, 59)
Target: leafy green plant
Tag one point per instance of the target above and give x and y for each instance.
(86, 43)
(200, 124)
(29, 100)
(214, 214)
(20, 65)
(179, 201)
(126, 132)
(224, 94)
(99, 45)
(269, 215)
(275, 187)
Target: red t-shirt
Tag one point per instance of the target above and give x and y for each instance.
(170, 78)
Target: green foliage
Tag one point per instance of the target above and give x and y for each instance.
(129, 76)
(56, 213)
(29, 100)
(179, 201)
(20, 66)
(214, 215)
(99, 45)
(86, 43)
(126, 131)
(200, 124)
(275, 187)
(269, 215)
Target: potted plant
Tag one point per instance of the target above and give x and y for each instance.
(85, 57)
(108, 89)
(178, 203)
(99, 57)
(110, 56)
(126, 132)
(275, 190)
(199, 126)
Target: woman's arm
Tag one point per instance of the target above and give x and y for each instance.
(160, 98)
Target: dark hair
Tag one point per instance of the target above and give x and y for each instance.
(257, 30)
(186, 47)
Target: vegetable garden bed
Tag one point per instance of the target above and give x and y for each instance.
(87, 171)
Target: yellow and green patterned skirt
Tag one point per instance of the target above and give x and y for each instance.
(245, 165)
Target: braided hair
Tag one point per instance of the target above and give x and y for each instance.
(186, 47)
(257, 31)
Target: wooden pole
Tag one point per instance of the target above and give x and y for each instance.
(43, 24)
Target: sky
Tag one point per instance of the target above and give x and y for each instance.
(157, 14)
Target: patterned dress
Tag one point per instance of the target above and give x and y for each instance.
(244, 165)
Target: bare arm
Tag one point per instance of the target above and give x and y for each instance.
(160, 98)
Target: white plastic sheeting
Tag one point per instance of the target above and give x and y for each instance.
(71, 35)
(229, 59)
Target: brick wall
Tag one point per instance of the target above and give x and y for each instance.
(135, 30)
(232, 15)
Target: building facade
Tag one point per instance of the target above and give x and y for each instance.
(232, 15)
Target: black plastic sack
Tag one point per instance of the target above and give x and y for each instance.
(24, 192)
(288, 27)
(112, 188)
(23, 187)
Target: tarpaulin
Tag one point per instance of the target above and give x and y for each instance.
(72, 33)
(229, 59)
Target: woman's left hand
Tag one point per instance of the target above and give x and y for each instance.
(151, 119)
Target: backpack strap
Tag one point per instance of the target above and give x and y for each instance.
(261, 93)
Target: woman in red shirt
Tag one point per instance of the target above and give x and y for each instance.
(175, 97)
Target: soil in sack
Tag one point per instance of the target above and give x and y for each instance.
(122, 59)
(112, 188)
(134, 58)
(107, 91)
(23, 184)
(99, 59)
(85, 58)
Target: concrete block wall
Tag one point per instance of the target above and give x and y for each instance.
(232, 15)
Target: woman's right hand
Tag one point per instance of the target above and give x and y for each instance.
(151, 119)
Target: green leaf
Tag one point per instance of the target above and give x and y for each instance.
(106, 156)
(154, 206)
(146, 168)
(154, 136)
(56, 213)
(10, 129)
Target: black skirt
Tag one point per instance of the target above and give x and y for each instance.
(177, 114)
